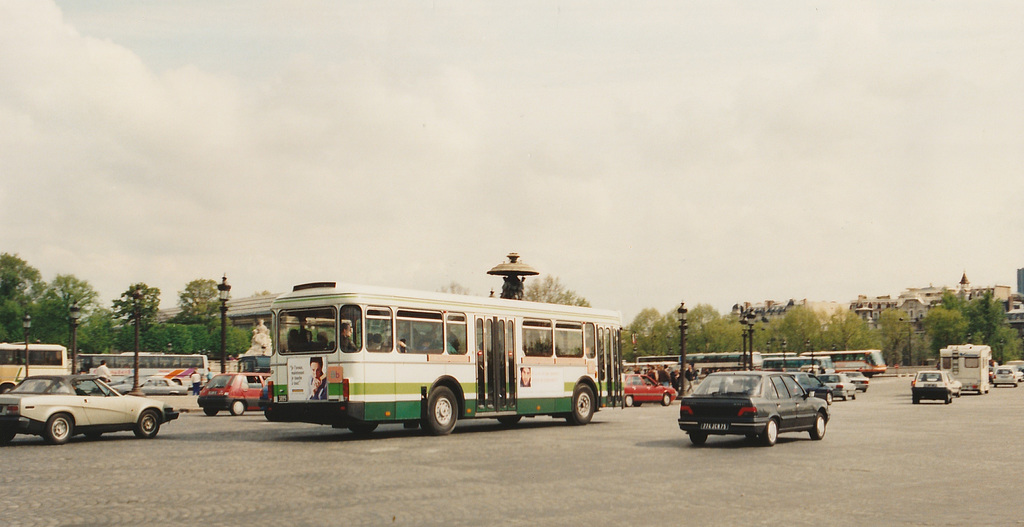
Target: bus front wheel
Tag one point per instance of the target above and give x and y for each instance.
(442, 410)
(582, 405)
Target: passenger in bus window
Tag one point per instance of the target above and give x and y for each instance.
(346, 337)
(402, 346)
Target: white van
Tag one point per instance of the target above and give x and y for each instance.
(968, 364)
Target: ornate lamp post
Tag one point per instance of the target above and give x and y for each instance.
(224, 290)
(137, 314)
(74, 313)
(26, 323)
(682, 347)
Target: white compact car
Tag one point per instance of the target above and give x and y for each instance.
(57, 407)
(1005, 375)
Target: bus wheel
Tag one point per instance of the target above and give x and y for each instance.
(582, 406)
(441, 412)
(362, 428)
(238, 408)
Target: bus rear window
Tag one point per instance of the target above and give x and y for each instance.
(307, 330)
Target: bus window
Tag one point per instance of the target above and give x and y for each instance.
(537, 338)
(568, 339)
(351, 317)
(379, 330)
(588, 340)
(305, 330)
(420, 331)
(457, 334)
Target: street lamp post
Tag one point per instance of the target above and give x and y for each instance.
(682, 347)
(784, 347)
(74, 312)
(225, 292)
(26, 324)
(137, 314)
(807, 347)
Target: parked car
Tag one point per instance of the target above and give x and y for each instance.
(639, 389)
(933, 384)
(153, 385)
(757, 404)
(813, 385)
(58, 407)
(235, 392)
(840, 384)
(859, 380)
(1005, 375)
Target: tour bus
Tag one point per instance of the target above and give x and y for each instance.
(868, 362)
(356, 356)
(44, 359)
(719, 361)
(819, 363)
(168, 365)
(968, 364)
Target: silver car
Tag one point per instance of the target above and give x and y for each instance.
(840, 384)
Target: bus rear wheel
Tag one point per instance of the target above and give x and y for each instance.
(441, 412)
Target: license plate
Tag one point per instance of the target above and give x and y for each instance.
(714, 426)
(930, 385)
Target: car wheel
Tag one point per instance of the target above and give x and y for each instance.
(698, 438)
(828, 397)
(818, 432)
(148, 425)
(442, 412)
(59, 428)
(6, 436)
(666, 399)
(949, 397)
(210, 411)
(510, 420)
(771, 433)
(582, 406)
(629, 401)
(854, 396)
(917, 399)
(238, 407)
(362, 428)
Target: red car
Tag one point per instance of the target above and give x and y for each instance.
(640, 389)
(234, 392)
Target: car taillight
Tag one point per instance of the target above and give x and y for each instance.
(12, 409)
(684, 409)
(344, 388)
(747, 410)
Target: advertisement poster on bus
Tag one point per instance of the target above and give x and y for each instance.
(540, 382)
(307, 379)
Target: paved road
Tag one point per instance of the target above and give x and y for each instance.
(884, 461)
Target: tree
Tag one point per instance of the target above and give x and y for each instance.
(846, 330)
(550, 290)
(800, 325)
(454, 288)
(20, 286)
(985, 316)
(945, 327)
(199, 302)
(149, 305)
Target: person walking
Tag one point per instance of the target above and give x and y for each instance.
(197, 382)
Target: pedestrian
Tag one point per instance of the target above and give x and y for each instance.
(690, 375)
(197, 382)
(103, 371)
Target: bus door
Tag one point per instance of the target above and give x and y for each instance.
(495, 380)
(609, 374)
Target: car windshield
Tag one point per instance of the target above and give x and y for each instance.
(931, 377)
(220, 381)
(829, 378)
(729, 385)
(39, 386)
(809, 381)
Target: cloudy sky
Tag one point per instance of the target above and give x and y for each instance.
(645, 153)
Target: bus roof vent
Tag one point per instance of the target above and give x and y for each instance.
(314, 285)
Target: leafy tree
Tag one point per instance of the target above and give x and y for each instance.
(96, 333)
(199, 302)
(550, 290)
(800, 326)
(985, 316)
(945, 327)
(148, 305)
(20, 286)
(846, 330)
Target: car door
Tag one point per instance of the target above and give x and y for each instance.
(803, 416)
(785, 405)
(101, 405)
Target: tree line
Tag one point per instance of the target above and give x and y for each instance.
(110, 329)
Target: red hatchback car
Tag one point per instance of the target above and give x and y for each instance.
(640, 389)
(235, 392)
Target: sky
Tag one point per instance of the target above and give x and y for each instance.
(645, 153)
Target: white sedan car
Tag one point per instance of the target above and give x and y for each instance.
(58, 407)
(1005, 375)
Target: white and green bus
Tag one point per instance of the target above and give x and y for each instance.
(356, 356)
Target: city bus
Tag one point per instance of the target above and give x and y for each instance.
(868, 362)
(168, 365)
(818, 363)
(355, 357)
(44, 359)
(720, 361)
